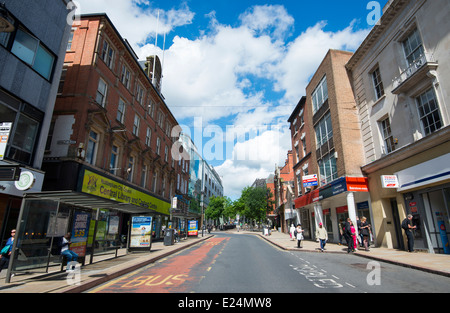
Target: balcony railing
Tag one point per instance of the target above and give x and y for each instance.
(422, 64)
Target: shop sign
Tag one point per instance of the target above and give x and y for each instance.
(141, 231)
(5, 130)
(26, 181)
(103, 187)
(193, 228)
(309, 180)
(389, 181)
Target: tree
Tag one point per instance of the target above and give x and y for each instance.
(219, 207)
(253, 203)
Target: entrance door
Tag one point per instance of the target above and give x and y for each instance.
(436, 203)
(398, 230)
(304, 218)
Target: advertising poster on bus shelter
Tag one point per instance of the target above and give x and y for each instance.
(193, 228)
(141, 232)
(80, 233)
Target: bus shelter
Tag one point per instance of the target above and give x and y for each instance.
(97, 224)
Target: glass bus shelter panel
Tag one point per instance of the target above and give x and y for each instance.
(41, 221)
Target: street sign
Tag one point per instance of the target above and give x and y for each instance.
(310, 180)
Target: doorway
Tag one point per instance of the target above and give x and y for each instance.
(398, 230)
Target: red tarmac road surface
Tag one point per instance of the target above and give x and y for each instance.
(178, 273)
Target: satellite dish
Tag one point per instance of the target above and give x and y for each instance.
(5, 25)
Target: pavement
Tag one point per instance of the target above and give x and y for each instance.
(106, 268)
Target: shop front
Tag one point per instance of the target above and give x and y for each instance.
(426, 191)
(102, 214)
(332, 204)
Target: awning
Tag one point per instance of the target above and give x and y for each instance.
(87, 201)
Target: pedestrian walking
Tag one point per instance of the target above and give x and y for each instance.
(365, 232)
(322, 235)
(291, 232)
(407, 225)
(298, 234)
(6, 251)
(354, 235)
(348, 236)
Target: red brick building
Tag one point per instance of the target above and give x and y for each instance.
(111, 125)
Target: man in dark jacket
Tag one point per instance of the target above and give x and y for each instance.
(407, 225)
(348, 236)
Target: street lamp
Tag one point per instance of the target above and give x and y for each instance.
(5, 25)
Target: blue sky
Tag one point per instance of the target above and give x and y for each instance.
(234, 70)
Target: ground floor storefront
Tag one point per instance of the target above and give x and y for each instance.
(332, 204)
(102, 214)
(413, 180)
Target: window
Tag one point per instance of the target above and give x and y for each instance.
(114, 159)
(320, 95)
(158, 146)
(148, 137)
(130, 169)
(139, 93)
(304, 146)
(166, 154)
(91, 151)
(125, 78)
(323, 130)
(413, 47)
(101, 92)
(378, 84)
(69, 43)
(29, 49)
(387, 135)
(154, 181)
(327, 169)
(144, 176)
(137, 121)
(26, 122)
(429, 113)
(108, 54)
(121, 111)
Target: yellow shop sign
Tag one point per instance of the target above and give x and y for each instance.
(103, 187)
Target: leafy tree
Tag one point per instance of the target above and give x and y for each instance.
(253, 203)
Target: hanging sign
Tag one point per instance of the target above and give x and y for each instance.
(389, 181)
(309, 180)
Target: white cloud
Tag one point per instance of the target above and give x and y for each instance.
(219, 74)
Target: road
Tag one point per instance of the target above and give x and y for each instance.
(244, 263)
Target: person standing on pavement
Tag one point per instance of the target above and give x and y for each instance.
(354, 233)
(365, 232)
(407, 225)
(291, 232)
(298, 234)
(322, 235)
(4, 259)
(348, 236)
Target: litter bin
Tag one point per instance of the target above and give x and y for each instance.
(169, 237)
